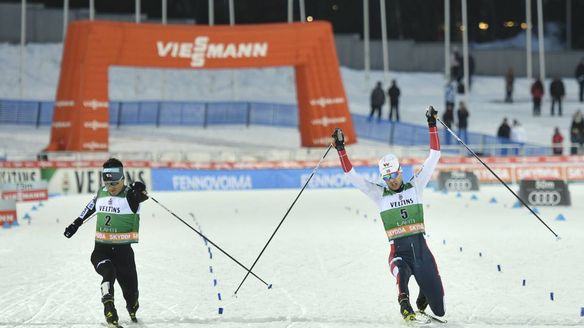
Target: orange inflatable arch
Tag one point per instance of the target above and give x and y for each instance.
(81, 116)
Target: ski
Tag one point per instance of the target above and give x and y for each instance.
(431, 317)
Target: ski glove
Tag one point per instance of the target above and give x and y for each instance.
(339, 139)
(431, 116)
(139, 190)
(72, 228)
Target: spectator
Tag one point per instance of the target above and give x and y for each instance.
(393, 94)
(557, 92)
(580, 78)
(509, 79)
(377, 101)
(537, 92)
(557, 142)
(448, 119)
(518, 136)
(450, 94)
(463, 115)
(455, 65)
(503, 133)
(576, 133)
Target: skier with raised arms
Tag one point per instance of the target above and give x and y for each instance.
(402, 212)
(118, 221)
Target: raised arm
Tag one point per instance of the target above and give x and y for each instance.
(422, 177)
(372, 190)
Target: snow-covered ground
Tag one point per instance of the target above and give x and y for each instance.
(328, 263)
(277, 85)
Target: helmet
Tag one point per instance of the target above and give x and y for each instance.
(389, 164)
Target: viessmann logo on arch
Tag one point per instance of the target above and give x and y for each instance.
(201, 49)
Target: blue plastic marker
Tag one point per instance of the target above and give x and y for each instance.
(552, 296)
(220, 310)
(493, 200)
(480, 254)
(270, 286)
(461, 249)
(214, 282)
(560, 217)
(499, 267)
(219, 296)
(582, 311)
(443, 241)
(523, 282)
(210, 269)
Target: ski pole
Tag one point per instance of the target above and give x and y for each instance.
(284, 218)
(496, 176)
(210, 242)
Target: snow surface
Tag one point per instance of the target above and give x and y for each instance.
(419, 90)
(327, 263)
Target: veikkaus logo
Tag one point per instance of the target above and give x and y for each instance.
(95, 104)
(544, 197)
(201, 49)
(64, 103)
(61, 124)
(325, 121)
(94, 125)
(323, 102)
(94, 145)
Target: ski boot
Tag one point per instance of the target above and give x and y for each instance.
(408, 313)
(109, 310)
(132, 309)
(421, 302)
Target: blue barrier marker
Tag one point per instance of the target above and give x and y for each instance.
(474, 197)
(493, 200)
(458, 195)
(523, 282)
(26, 216)
(34, 208)
(499, 267)
(536, 210)
(15, 223)
(516, 205)
(560, 217)
(6, 225)
(214, 282)
(219, 296)
(220, 310)
(40, 204)
(582, 311)
(551, 296)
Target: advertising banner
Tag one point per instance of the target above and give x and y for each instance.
(164, 179)
(87, 180)
(544, 192)
(7, 211)
(19, 175)
(25, 191)
(458, 181)
(80, 119)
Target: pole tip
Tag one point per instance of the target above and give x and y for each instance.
(558, 238)
(270, 286)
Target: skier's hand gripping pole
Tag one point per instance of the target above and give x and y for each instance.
(282, 221)
(496, 176)
(210, 242)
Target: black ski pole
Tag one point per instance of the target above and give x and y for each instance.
(210, 242)
(496, 176)
(284, 218)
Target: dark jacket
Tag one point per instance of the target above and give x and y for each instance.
(580, 72)
(537, 90)
(377, 97)
(394, 94)
(557, 88)
(577, 132)
(462, 117)
(448, 117)
(504, 131)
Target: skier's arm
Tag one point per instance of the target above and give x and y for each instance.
(136, 195)
(422, 177)
(367, 187)
(85, 214)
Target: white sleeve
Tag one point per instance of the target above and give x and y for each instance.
(372, 190)
(424, 174)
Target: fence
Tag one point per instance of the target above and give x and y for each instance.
(203, 114)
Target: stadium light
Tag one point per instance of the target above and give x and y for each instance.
(483, 26)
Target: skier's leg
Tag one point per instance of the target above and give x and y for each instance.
(402, 273)
(101, 259)
(429, 280)
(128, 278)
